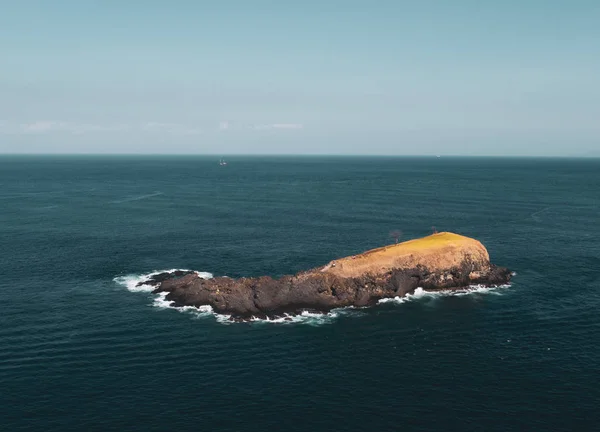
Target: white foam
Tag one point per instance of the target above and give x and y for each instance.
(160, 301)
(308, 318)
(131, 281)
(207, 311)
(420, 293)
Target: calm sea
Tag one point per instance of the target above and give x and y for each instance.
(80, 351)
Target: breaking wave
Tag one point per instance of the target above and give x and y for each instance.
(421, 293)
(135, 283)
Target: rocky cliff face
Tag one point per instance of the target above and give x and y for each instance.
(440, 261)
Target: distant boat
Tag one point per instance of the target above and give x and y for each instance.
(222, 162)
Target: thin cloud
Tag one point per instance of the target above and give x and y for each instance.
(286, 126)
(154, 126)
(51, 126)
(46, 126)
(65, 127)
(170, 128)
(40, 127)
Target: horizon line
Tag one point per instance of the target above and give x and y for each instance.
(310, 155)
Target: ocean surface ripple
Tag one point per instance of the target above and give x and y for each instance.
(80, 351)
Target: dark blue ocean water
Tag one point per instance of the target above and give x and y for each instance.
(78, 351)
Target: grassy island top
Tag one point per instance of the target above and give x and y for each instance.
(437, 252)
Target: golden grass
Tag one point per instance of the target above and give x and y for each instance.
(437, 251)
(432, 241)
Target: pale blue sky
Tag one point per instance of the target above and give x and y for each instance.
(337, 77)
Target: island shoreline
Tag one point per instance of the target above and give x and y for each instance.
(443, 261)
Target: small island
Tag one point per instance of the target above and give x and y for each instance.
(440, 261)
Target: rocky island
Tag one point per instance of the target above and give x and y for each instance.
(439, 261)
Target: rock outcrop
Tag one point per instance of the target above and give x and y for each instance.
(439, 261)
